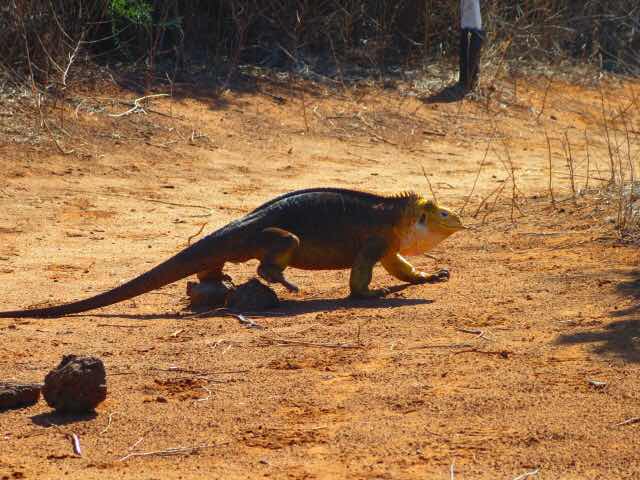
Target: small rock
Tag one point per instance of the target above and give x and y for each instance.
(77, 385)
(18, 395)
(209, 294)
(252, 296)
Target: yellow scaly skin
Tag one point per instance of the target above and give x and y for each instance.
(423, 225)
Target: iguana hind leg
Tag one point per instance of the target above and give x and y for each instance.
(276, 247)
(213, 274)
(399, 267)
(362, 270)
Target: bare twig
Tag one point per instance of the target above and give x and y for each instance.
(500, 353)
(553, 198)
(247, 322)
(433, 193)
(168, 452)
(144, 199)
(283, 342)
(630, 421)
(475, 181)
(76, 444)
(544, 99)
(137, 106)
(135, 444)
(75, 440)
(373, 132)
(108, 423)
(495, 202)
(121, 326)
(446, 346)
(474, 331)
(53, 137)
(586, 146)
(608, 137)
(528, 474)
(205, 398)
(197, 233)
(569, 156)
(496, 191)
(72, 57)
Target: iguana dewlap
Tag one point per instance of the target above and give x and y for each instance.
(313, 229)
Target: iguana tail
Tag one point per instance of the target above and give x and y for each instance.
(189, 261)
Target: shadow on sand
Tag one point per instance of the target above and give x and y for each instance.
(53, 418)
(620, 338)
(449, 94)
(291, 308)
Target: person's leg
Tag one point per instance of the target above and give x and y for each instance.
(473, 59)
(471, 40)
(464, 57)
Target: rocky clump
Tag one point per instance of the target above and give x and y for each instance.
(209, 294)
(77, 385)
(18, 395)
(252, 296)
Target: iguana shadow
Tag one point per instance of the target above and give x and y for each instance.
(291, 307)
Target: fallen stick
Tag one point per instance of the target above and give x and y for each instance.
(108, 423)
(528, 474)
(444, 345)
(76, 444)
(120, 326)
(247, 322)
(205, 398)
(197, 233)
(136, 105)
(283, 342)
(373, 132)
(75, 440)
(629, 421)
(475, 331)
(501, 353)
(167, 452)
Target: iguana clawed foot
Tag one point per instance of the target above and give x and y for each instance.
(274, 275)
(442, 275)
(370, 294)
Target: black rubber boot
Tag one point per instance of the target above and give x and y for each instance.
(476, 40)
(464, 58)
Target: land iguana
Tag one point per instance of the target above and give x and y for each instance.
(312, 229)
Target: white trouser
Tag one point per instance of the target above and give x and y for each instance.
(470, 14)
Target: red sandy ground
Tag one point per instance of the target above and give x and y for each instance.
(489, 372)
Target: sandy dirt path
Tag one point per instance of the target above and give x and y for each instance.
(488, 374)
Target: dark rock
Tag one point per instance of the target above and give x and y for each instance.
(252, 296)
(209, 294)
(77, 385)
(18, 395)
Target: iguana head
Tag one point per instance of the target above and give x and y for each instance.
(426, 225)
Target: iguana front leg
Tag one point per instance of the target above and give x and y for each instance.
(362, 269)
(276, 247)
(399, 267)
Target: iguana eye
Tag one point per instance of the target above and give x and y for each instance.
(423, 218)
(444, 214)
